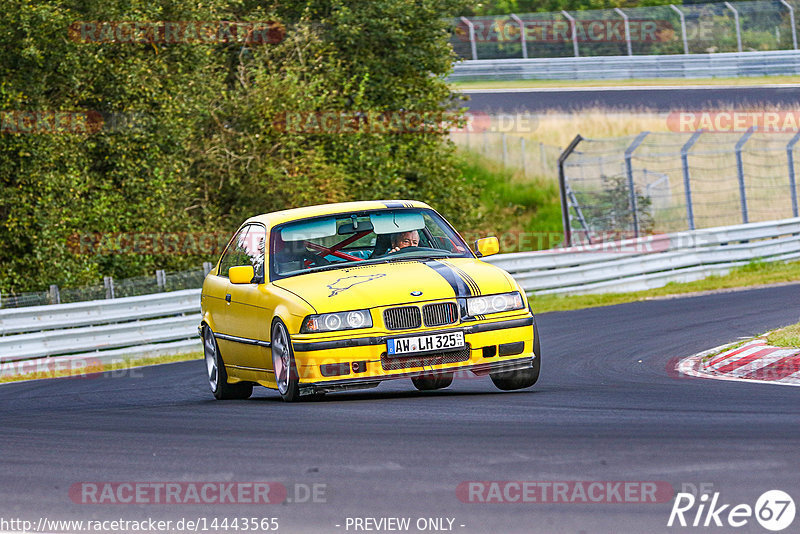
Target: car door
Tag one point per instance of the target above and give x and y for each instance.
(248, 315)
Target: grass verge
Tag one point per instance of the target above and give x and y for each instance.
(788, 336)
(536, 84)
(753, 274)
(92, 368)
(523, 212)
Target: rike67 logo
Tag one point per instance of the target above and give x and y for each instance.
(774, 510)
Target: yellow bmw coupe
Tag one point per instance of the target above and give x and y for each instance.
(343, 296)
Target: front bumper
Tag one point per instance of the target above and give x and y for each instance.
(501, 345)
(366, 382)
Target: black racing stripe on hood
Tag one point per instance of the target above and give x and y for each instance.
(476, 290)
(460, 288)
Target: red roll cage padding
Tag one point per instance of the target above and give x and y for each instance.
(334, 250)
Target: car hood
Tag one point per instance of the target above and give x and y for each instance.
(391, 283)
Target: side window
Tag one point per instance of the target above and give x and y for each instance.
(255, 245)
(236, 253)
(247, 248)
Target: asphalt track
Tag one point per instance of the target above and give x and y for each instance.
(607, 408)
(658, 99)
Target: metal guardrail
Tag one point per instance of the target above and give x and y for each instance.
(652, 261)
(728, 65)
(106, 330)
(167, 322)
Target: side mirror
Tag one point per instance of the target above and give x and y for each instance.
(487, 246)
(243, 274)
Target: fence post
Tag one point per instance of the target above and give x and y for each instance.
(736, 21)
(207, 266)
(629, 172)
(161, 279)
(683, 28)
(574, 27)
(627, 29)
(55, 295)
(522, 156)
(505, 148)
(108, 282)
(792, 182)
(687, 188)
(471, 28)
(562, 184)
(522, 39)
(542, 158)
(791, 22)
(740, 171)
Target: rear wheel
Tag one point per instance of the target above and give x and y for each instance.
(283, 363)
(522, 378)
(217, 376)
(431, 382)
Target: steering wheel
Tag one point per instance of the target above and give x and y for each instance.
(408, 249)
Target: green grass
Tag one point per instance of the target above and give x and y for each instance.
(753, 274)
(788, 336)
(125, 363)
(535, 84)
(523, 212)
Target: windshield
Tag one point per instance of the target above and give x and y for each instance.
(344, 239)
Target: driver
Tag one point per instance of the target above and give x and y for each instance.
(403, 240)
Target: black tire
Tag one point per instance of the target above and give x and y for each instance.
(521, 378)
(431, 382)
(283, 363)
(217, 376)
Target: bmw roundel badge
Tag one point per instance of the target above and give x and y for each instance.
(416, 293)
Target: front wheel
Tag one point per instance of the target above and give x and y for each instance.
(431, 382)
(217, 376)
(283, 363)
(522, 378)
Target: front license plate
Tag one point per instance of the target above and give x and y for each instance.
(429, 343)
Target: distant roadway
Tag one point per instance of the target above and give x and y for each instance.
(658, 98)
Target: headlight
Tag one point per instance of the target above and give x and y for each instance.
(494, 303)
(332, 322)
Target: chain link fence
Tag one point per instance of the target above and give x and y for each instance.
(668, 182)
(654, 30)
(110, 288)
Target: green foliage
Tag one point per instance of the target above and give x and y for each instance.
(609, 211)
(190, 141)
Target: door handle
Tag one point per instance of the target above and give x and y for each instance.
(228, 298)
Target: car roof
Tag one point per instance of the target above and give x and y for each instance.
(294, 214)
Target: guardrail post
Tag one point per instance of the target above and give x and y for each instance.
(522, 156)
(207, 266)
(627, 29)
(471, 28)
(736, 21)
(523, 41)
(687, 187)
(54, 294)
(792, 183)
(161, 279)
(574, 27)
(683, 28)
(629, 172)
(562, 184)
(485, 143)
(108, 282)
(740, 171)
